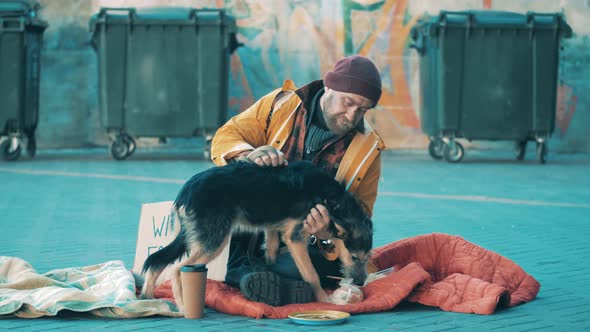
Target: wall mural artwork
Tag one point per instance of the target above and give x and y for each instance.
(300, 40)
(295, 40)
(566, 107)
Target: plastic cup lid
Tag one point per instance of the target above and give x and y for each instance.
(194, 268)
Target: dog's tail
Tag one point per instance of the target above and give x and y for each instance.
(160, 259)
(155, 264)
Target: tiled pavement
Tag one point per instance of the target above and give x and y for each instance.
(76, 208)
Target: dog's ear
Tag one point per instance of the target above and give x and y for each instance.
(335, 202)
(332, 203)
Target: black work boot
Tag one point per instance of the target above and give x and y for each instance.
(295, 291)
(269, 288)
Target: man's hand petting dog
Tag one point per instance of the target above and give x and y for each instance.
(317, 222)
(265, 156)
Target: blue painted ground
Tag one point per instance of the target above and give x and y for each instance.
(76, 208)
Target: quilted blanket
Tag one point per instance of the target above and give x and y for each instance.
(106, 290)
(438, 270)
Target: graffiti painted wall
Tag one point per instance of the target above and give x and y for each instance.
(300, 40)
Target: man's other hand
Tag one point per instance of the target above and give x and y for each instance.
(317, 222)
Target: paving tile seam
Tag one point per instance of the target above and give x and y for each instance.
(576, 313)
(538, 328)
(523, 323)
(562, 308)
(447, 329)
(496, 319)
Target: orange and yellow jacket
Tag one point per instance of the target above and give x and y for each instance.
(359, 169)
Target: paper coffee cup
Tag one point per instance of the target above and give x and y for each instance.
(194, 281)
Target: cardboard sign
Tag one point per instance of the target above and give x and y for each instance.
(157, 228)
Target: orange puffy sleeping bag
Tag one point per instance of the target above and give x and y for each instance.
(438, 270)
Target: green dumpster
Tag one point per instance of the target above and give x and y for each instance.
(488, 75)
(21, 36)
(163, 72)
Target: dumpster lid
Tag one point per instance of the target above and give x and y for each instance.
(161, 16)
(19, 8)
(500, 18)
(484, 17)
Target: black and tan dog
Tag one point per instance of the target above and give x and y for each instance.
(274, 199)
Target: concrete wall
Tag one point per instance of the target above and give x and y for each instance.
(300, 40)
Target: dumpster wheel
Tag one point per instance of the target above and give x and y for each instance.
(31, 146)
(453, 155)
(10, 153)
(436, 148)
(130, 143)
(520, 149)
(542, 152)
(207, 148)
(119, 148)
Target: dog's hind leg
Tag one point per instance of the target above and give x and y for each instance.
(151, 277)
(198, 256)
(272, 245)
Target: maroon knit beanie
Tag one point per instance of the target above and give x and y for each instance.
(355, 74)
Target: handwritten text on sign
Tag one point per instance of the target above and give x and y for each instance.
(161, 227)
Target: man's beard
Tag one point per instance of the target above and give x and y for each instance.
(338, 129)
(332, 121)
